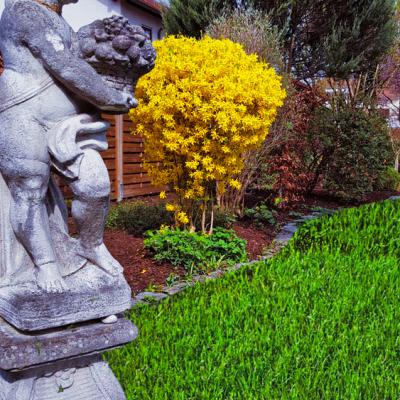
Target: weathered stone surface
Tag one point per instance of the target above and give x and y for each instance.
(150, 296)
(20, 350)
(178, 287)
(286, 233)
(118, 51)
(85, 378)
(53, 89)
(91, 294)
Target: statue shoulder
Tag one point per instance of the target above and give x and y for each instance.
(21, 9)
(25, 16)
(21, 3)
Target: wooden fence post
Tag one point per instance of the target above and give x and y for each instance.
(119, 157)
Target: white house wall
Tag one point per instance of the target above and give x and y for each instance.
(140, 17)
(87, 11)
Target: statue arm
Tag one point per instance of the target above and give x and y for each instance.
(45, 42)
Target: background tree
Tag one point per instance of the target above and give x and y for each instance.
(253, 29)
(333, 38)
(389, 95)
(192, 17)
(321, 38)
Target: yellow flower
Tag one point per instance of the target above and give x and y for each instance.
(220, 169)
(163, 195)
(192, 164)
(182, 218)
(234, 183)
(225, 149)
(170, 207)
(189, 194)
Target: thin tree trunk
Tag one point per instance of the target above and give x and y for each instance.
(203, 217)
(210, 232)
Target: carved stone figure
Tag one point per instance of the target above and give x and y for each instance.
(53, 87)
(52, 91)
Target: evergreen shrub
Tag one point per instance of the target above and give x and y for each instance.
(389, 179)
(137, 217)
(354, 149)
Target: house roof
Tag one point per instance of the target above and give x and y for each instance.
(389, 93)
(150, 5)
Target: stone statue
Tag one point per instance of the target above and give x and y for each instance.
(54, 86)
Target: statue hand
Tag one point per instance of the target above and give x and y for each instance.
(122, 105)
(132, 102)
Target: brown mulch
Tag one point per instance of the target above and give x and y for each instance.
(140, 270)
(257, 239)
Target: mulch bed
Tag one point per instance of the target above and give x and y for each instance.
(257, 239)
(142, 272)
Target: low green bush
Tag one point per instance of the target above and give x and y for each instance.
(137, 217)
(261, 215)
(194, 251)
(224, 219)
(352, 152)
(389, 179)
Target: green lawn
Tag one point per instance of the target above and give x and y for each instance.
(319, 321)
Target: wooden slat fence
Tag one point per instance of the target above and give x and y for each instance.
(124, 160)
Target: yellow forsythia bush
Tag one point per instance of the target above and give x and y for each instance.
(202, 107)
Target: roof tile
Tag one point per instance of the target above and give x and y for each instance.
(151, 3)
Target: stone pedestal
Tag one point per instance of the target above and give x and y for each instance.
(91, 294)
(61, 364)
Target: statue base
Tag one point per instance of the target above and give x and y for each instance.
(92, 294)
(88, 378)
(62, 364)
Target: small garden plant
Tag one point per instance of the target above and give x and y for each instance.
(261, 215)
(196, 252)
